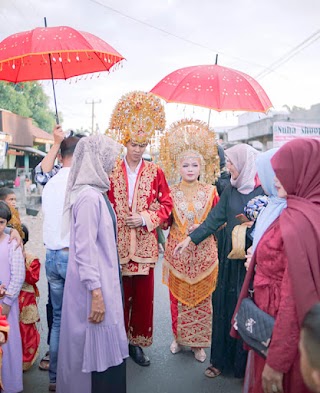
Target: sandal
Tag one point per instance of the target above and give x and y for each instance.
(212, 372)
(45, 362)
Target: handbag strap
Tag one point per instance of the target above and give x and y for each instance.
(250, 288)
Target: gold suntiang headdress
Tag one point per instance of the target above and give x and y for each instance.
(136, 117)
(186, 138)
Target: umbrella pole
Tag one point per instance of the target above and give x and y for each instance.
(53, 88)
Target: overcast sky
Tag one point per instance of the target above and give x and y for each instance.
(249, 35)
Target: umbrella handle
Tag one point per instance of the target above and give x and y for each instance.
(53, 88)
(54, 91)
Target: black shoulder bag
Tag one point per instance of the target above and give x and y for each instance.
(254, 325)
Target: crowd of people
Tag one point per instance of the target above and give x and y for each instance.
(242, 225)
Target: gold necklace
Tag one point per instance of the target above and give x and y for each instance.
(189, 190)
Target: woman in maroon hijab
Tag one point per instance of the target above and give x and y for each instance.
(286, 268)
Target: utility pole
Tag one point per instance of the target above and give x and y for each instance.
(92, 103)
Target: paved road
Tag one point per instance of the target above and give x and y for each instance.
(167, 373)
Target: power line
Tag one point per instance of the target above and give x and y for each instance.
(266, 70)
(174, 35)
(289, 55)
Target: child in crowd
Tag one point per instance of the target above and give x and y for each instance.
(7, 195)
(29, 315)
(12, 274)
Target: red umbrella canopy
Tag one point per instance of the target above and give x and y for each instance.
(25, 56)
(213, 87)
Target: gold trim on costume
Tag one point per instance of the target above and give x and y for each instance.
(29, 314)
(142, 341)
(137, 245)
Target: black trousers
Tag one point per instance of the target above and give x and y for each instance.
(112, 380)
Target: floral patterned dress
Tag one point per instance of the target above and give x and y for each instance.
(191, 277)
(29, 315)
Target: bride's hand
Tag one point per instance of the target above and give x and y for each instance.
(181, 246)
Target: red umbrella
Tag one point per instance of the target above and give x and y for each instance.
(54, 53)
(213, 87)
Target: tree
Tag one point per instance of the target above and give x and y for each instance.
(28, 99)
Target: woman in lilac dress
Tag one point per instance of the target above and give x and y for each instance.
(12, 274)
(93, 341)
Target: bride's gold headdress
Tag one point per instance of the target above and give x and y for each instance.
(190, 138)
(136, 117)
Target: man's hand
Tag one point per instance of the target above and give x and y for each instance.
(14, 235)
(98, 309)
(48, 162)
(134, 220)
(181, 246)
(58, 135)
(5, 309)
(272, 380)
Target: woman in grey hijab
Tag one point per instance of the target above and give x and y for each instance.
(93, 341)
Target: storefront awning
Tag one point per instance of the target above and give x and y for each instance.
(29, 150)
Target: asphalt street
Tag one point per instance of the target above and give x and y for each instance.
(167, 373)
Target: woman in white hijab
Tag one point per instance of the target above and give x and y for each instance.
(227, 354)
(93, 341)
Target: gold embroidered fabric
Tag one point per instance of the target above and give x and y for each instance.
(29, 314)
(191, 276)
(190, 294)
(192, 202)
(27, 365)
(139, 244)
(136, 269)
(141, 341)
(194, 326)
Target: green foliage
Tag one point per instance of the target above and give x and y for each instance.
(28, 99)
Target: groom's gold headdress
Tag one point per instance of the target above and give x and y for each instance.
(136, 117)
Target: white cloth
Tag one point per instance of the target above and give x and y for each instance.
(132, 178)
(53, 197)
